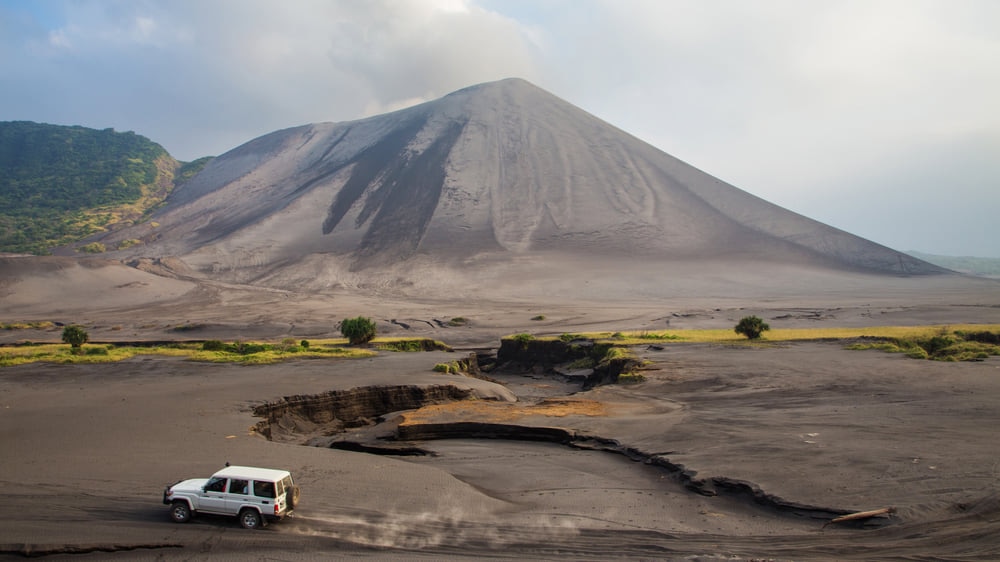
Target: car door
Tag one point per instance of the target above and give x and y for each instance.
(213, 496)
(238, 496)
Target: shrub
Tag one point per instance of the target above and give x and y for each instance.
(304, 344)
(245, 348)
(539, 317)
(583, 363)
(523, 339)
(358, 330)
(213, 345)
(403, 345)
(75, 336)
(458, 321)
(630, 378)
(981, 337)
(93, 248)
(96, 351)
(751, 327)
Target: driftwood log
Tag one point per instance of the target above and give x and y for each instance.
(862, 515)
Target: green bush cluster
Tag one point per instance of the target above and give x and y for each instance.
(75, 336)
(522, 338)
(956, 346)
(751, 327)
(454, 367)
(410, 346)
(358, 330)
(247, 348)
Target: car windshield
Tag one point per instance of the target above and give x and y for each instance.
(216, 485)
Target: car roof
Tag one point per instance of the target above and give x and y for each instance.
(251, 472)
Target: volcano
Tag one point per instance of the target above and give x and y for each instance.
(498, 175)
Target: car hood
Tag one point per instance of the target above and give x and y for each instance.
(192, 485)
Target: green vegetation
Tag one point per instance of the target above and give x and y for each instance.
(455, 367)
(522, 338)
(538, 318)
(43, 325)
(946, 345)
(458, 321)
(214, 351)
(751, 327)
(75, 336)
(410, 344)
(358, 330)
(583, 363)
(189, 170)
(61, 184)
(725, 336)
(631, 378)
(93, 248)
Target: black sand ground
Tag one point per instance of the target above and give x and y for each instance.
(87, 450)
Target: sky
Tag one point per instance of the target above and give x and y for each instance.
(878, 117)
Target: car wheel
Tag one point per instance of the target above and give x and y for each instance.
(292, 497)
(180, 512)
(250, 518)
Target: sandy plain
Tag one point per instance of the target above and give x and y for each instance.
(87, 449)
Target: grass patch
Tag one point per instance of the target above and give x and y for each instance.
(42, 325)
(943, 344)
(728, 336)
(410, 344)
(246, 353)
(582, 363)
(631, 378)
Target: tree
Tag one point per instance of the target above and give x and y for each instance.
(751, 327)
(358, 330)
(75, 336)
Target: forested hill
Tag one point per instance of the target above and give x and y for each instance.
(59, 183)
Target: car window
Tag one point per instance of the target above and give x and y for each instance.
(216, 485)
(263, 489)
(239, 486)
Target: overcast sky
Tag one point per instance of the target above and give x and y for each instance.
(881, 118)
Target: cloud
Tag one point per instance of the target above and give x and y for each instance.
(202, 77)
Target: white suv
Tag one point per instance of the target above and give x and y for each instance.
(255, 495)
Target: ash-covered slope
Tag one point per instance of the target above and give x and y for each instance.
(498, 170)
